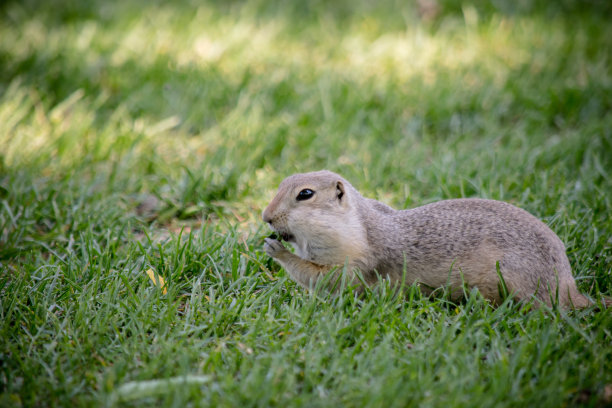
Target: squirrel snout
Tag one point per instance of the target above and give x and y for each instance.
(266, 216)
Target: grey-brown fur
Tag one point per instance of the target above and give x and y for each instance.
(446, 243)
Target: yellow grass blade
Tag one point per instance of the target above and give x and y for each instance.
(157, 280)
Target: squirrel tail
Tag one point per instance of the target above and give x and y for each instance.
(579, 301)
(582, 301)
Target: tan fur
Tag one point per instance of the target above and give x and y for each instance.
(445, 244)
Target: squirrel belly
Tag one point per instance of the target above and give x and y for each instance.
(449, 243)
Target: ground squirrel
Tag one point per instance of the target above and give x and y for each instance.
(444, 244)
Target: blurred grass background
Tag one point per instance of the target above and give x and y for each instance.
(195, 111)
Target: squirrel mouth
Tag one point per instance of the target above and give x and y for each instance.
(287, 237)
(284, 236)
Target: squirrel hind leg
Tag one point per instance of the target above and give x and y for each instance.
(577, 300)
(571, 298)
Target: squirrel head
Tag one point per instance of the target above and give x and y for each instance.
(303, 196)
(315, 212)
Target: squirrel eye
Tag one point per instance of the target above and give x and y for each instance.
(305, 194)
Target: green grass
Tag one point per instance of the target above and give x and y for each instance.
(200, 109)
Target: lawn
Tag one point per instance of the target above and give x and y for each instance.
(142, 136)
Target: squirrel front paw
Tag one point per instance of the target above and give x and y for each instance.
(274, 247)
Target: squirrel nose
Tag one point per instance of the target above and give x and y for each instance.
(266, 217)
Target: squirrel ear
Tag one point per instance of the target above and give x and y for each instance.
(339, 190)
